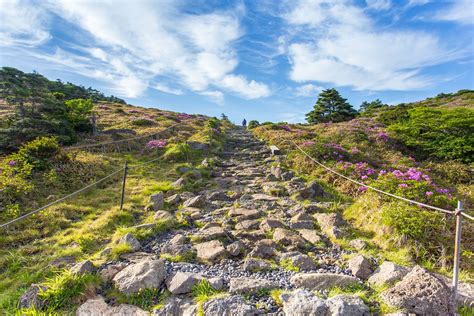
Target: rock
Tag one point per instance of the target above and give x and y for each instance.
(198, 145)
(299, 260)
(235, 248)
(130, 240)
(303, 303)
(244, 214)
(177, 306)
(157, 201)
(108, 272)
(287, 176)
(245, 285)
(83, 267)
(341, 305)
(311, 191)
(30, 298)
(264, 248)
(360, 267)
(276, 171)
(218, 196)
(269, 224)
(248, 224)
(254, 265)
(209, 233)
(322, 281)
(181, 282)
(387, 273)
(163, 216)
(233, 305)
(264, 197)
(310, 235)
(420, 292)
(358, 244)
(301, 221)
(217, 283)
(210, 251)
(62, 261)
(97, 306)
(173, 199)
(147, 274)
(179, 184)
(197, 201)
(288, 238)
(331, 224)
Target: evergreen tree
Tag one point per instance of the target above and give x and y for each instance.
(370, 106)
(331, 107)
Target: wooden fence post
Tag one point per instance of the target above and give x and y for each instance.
(457, 250)
(125, 171)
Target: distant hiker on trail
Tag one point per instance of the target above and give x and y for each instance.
(244, 123)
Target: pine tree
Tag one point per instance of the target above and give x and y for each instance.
(370, 106)
(330, 107)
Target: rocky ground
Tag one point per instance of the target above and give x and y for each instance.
(251, 232)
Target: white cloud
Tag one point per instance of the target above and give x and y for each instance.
(413, 3)
(379, 4)
(167, 89)
(460, 11)
(243, 87)
(215, 96)
(308, 90)
(131, 44)
(22, 23)
(346, 49)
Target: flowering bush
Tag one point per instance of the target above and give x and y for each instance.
(156, 144)
(184, 116)
(143, 121)
(308, 143)
(285, 128)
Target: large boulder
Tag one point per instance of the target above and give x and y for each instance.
(31, 299)
(182, 282)
(177, 306)
(83, 267)
(322, 281)
(420, 292)
(235, 248)
(97, 306)
(303, 303)
(342, 305)
(157, 201)
(130, 240)
(246, 285)
(233, 305)
(310, 235)
(331, 224)
(211, 232)
(210, 251)
(360, 267)
(197, 201)
(301, 261)
(387, 273)
(264, 248)
(147, 274)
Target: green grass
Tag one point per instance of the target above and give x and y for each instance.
(287, 264)
(188, 257)
(119, 250)
(66, 290)
(202, 292)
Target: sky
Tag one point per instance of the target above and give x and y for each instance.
(253, 59)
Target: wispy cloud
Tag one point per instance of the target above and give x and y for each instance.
(346, 49)
(308, 90)
(460, 11)
(135, 42)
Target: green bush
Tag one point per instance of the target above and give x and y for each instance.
(252, 124)
(39, 152)
(439, 133)
(178, 152)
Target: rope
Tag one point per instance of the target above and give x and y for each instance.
(61, 199)
(120, 140)
(375, 189)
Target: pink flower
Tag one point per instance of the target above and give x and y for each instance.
(184, 116)
(286, 128)
(11, 163)
(428, 193)
(355, 150)
(364, 177)
(362, 189)
(308, 143)
(403, 185)
(154, 144)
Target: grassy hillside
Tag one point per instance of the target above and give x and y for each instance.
(45, 169)
(422, 151)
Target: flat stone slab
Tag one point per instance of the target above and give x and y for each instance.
(322, 281)
(249, 285)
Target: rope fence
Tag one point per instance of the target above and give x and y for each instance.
(125, 169)
(458, 213)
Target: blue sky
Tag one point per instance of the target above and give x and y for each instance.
(264, 60)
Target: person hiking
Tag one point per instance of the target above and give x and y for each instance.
(244, 123)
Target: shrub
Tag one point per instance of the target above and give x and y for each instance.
(143, 121)
(178, 152)
(252, 124)
(39, 152)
